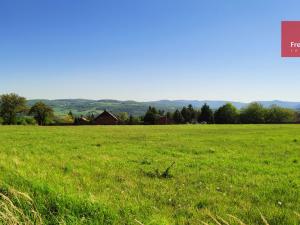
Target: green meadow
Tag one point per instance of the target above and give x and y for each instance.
(177, 174)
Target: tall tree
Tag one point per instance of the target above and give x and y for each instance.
(41, 113)
(71, 114)
(177, 117)
(188, 113)
(193, 113)
(206, 114)
(254, 113)
(185, 114)
(151, 116)
(10, 106)
(169, 116)
(131, 120)
(226, 114)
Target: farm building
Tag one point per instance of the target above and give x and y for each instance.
(82, 121)
(106, 118)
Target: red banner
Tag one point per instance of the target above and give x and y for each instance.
(290, 38)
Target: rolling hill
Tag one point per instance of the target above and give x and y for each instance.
(85, 106)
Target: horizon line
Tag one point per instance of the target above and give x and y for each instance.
(171, 100)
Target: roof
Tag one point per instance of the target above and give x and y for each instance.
(84, 119)
(109, 113)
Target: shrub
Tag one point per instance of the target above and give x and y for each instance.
(61, 120)
(25, 120)
(30, 120)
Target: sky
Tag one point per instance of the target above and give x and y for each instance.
(147, 49)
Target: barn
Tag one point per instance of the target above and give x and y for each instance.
(106, 118)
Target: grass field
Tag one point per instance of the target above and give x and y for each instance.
(117, 174)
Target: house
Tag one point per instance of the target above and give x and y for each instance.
(106, 118)
(81, 121)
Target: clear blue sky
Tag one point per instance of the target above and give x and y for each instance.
(147, 49)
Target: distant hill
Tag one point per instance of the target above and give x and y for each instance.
(85, 106)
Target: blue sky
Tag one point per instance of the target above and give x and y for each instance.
(147, 49)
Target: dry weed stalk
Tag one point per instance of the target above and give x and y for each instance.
(12, 206)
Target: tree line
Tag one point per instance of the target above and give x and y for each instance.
(14, 110)
(254, 113)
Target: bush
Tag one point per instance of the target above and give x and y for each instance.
(26, 120)
(21, 121)
(30, 121)
(61, 120)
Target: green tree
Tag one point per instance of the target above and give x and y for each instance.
(193, 113)
(188, 113)
(151, 116)
(276, 114)
(90, 116)
(254, 113)
(297, 119)
(169, 116)
(10, 106)
(227, 114)
(161, 112)
(71, 114)
(41, 113)
(124, 118)
(206, 114)
(134, 120)
(177, 117)
(185, 114)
